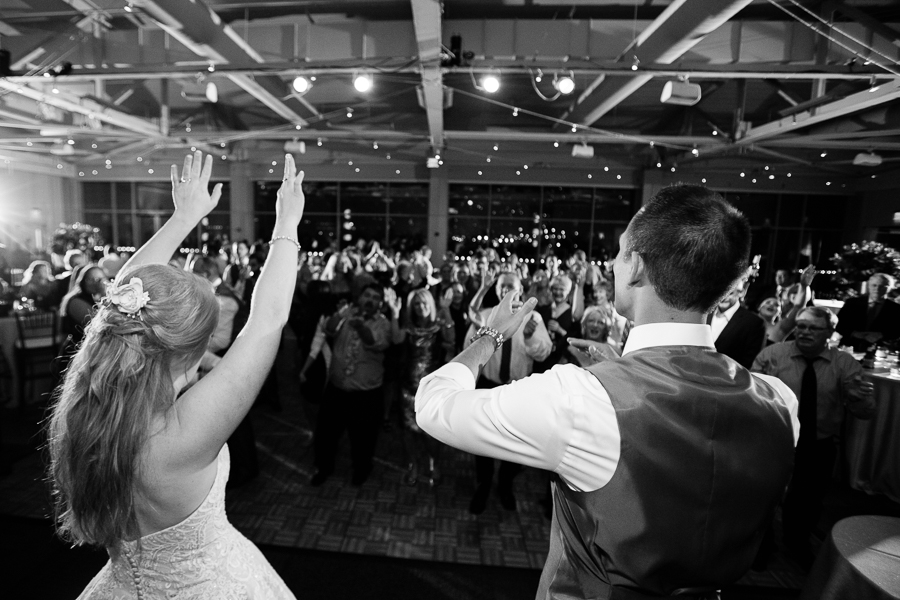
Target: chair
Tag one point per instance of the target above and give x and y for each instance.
(36, 346)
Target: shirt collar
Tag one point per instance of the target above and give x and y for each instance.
(668, 334)
(824, 354)
(728, 313)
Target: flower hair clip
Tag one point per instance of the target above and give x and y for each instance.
(129, 297)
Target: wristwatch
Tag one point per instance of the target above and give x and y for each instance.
(490, 332)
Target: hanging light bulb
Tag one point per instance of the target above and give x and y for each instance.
(564, 85)
(490, 83)
(362, 82)
(301, 84)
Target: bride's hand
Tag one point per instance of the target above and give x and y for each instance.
(190, 192)
(291, 200)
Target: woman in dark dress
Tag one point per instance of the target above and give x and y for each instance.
(428, 341)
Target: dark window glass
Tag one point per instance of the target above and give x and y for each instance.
(614, 205)
(468, 200)
(605, 243)
(515, 201)
(154, 196)
(791, 214)
(826, 212)
(97, 196)
(265, 223)
(321, 197)
(123, 196)
(464, 233)
(102, 221)
(367, 228)
(760, 209)
(410, 231)
(566, 202)
(264, 195)
(408, 198)
(316, 232)
(364, 198)
(125, 230)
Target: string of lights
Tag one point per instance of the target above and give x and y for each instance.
(853, 51)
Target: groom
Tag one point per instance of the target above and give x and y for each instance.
(668, 460)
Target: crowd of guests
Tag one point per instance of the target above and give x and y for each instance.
(371, 323)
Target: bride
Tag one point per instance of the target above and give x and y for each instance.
(137, 466)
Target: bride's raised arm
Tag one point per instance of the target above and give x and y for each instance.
(210, 411)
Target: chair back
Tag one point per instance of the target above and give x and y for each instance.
(37, 330)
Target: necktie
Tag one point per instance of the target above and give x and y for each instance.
(808, 402)
(505, 358)
(872, 313)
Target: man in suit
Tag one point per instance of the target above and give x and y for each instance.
(759, 291)
(867, 320)
(738, 333)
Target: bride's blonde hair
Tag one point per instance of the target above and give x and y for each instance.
(119, 380)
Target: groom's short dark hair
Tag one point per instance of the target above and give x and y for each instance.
(693, 243)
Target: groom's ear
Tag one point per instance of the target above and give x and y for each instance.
(637, 273)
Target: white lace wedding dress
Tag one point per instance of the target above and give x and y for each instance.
(203, 557)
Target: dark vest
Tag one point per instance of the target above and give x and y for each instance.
(706, 454)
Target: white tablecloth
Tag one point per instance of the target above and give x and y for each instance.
(872, 448)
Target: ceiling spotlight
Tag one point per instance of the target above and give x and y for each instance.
(574, 128)
(374, 145)
(565, 84)
(635, 63)
(301, 84)
(490, 83)
(200, 93)
(823, 154)
(680, 92)
(362, 82)
(695, 152)
(128, 7)
(349, 113)
(539, 77)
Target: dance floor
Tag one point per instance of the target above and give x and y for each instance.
(387, 518)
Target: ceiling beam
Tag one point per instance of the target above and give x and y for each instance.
(427, 23)
(682, 25)
(778, 71)
(833, 110)
(84, 106)
(200, 30)
(866, 20)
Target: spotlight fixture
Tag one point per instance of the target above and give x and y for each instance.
(198, 92)
(362, 82)
(301, 84)
(635, 63)
(539, 77)
(490, 83)
(680, 92)
(565, 85)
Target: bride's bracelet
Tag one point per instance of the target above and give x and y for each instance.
(285, 237)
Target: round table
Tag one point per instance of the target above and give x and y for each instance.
(859, 560)
(872, 447)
